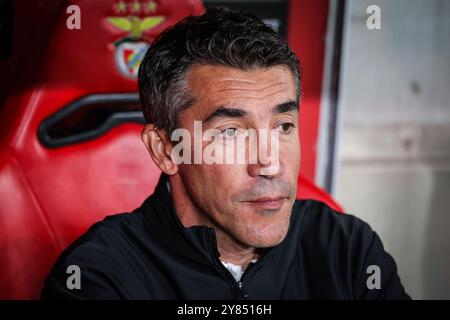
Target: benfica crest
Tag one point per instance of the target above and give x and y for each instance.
(129, 55)
(134, 19)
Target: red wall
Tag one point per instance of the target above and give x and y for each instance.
(306, 35)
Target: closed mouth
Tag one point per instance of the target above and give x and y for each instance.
(268, 202)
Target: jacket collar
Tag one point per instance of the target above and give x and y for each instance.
(194, 243)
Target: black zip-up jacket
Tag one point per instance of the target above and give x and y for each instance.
(149, 254)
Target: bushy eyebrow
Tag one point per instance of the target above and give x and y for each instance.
(285, 107)
(225, 112)
(234, 112)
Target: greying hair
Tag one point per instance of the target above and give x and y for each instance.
(218, 37)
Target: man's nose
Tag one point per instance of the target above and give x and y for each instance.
(266, 162)
(268, 171)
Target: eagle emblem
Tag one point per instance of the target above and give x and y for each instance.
(133, 18)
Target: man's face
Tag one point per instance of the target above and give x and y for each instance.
(249, 204)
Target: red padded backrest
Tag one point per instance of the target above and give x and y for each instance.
(50, 196)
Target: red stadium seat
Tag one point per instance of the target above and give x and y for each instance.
(60, 174)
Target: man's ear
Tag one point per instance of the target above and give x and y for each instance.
(160, 147)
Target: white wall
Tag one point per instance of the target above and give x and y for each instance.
(394, 150)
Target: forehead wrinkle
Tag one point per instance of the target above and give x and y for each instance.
(230, 84)
(256, 95)
(250, 88)
(216, 88)
(236, 80)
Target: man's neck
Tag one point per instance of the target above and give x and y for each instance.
(230, 250)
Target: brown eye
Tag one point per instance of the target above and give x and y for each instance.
(286, 127)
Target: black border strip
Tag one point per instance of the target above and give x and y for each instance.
(334, 91)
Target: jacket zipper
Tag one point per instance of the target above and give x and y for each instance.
(247, 271)
(238, 289)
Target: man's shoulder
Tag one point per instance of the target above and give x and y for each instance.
(316, 220)
(313, 211)
(98, 253)
(103, 242)
(344, 247)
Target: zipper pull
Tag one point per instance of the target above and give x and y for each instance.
(242, 289)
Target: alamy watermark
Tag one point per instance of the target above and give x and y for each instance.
(373, 21)
(74, 279)
(230, 146)
(374, 280)
(73, 21)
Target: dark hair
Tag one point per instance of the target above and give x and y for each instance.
(218, 37)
